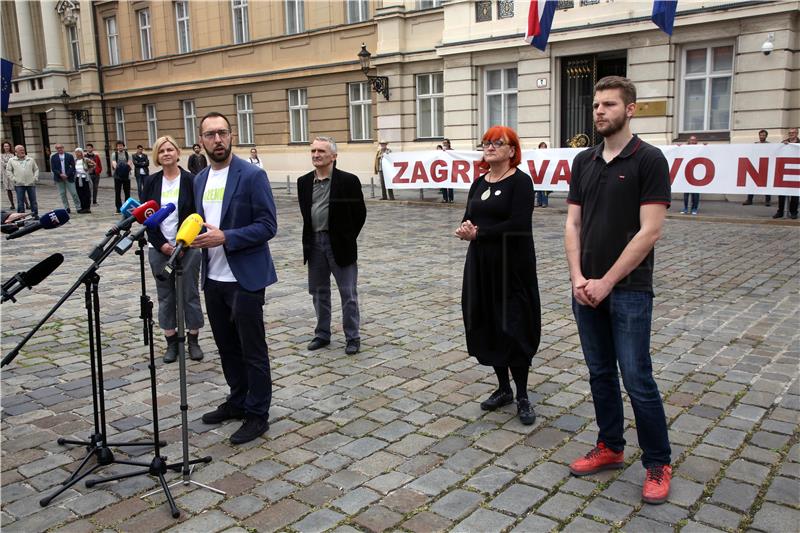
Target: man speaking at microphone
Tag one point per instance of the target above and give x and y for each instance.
(235, 199)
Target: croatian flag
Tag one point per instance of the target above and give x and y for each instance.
(664, 14)
(540, 18)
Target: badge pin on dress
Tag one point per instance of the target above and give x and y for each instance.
(497, 193)
(486, 194)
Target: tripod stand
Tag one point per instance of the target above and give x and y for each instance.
(97, 445)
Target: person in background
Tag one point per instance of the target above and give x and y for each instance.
(24, 173)
(542, 197)
(762, 139)
(254, 159)
(83, 181)
(197, 161)
(141, 168)
(174, 185)
(695, 196)
(8, 183)
(63, 167)
(120, 165)
(500, 291)
(793, 200)
(386, 194)
(96, 171)
(447, 194)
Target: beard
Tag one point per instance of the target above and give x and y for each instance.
(219, 159)
(611, 126)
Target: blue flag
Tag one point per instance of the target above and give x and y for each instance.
(6, 69)
(664, 14)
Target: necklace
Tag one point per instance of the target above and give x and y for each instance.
(488, 192)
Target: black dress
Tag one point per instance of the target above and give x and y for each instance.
(500, 294)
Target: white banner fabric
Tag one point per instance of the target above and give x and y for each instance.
(714, 169)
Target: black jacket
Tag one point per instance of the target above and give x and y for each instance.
(151, 190)
(346, 214)
(197, 162)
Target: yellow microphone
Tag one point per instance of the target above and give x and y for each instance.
(186, 235)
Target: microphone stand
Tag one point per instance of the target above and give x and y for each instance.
(97, 445)
(186, 466)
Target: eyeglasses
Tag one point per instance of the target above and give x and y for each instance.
(211, 135)
(497, 144)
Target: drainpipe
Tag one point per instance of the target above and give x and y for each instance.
(101, 87)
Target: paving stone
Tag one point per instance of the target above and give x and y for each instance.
(404, 500)
(435, 482)
(346, 479)
(560, 506)
(456, 504)
(770, 441)
(684, 492)
(699, 468)
(784, 490)
(737, 495)
(518, 499)
(726, 438)
(773, 517)
(608, 510)
(388, 482)
(546, 475)
(666, 513)
(317, 494)
(274, 490)
(718, 517)
(378, 518)
(243, 506)
(747, 471)
(639, 524)
(319, 521)
(484, 520)
(358, 449)
(426, 522)
(211, 521)
(355, 500)
(490, 479)
(277, 516)
(584, 525)
(91, 503)
(694, 527)
(467, 460)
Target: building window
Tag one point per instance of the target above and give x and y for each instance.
(152, 124)
(241, 23)
(144, 33)
(357, 11)
(189, 122)
(427, 4)
(501, 97)
(294, 17)
(430, 105)
(360, 111)
(182, 26)
(80, 132)
(244, 117)
(113, 40)
(707, 81)
(74, 46)
(298, 115)
(119, 120)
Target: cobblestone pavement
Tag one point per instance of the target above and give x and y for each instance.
(393, 438)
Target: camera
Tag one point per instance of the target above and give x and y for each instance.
(768, 45)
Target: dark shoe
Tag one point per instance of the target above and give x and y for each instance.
(84, 211)
(525, 412)
(353, 346)
(193, 344)
(748, 202)
(317, 343)
(499, 398)
(253, 427)
(172, 349)
(793, 216)
(69, 210)
(222, 413)
(778, 215)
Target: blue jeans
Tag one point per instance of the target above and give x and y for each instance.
(541, 198)
(617, 332)
(695, 200)
(30, 190)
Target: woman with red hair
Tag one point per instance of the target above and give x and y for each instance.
(500, 292)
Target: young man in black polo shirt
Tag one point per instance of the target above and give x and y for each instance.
(618, 197)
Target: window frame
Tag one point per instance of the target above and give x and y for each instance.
(145, 34)
(432, 96)
(80, 131)
(503, 92)
(189, 122)
(73, 40)
(365, 102)
(429, 4)
(184, 44)
(302, 107)
(707, 75)
(299, 16)
(363, 11)
(243, 7)
(112, 40)
(152, 123)
(245, 117)
(119, 123)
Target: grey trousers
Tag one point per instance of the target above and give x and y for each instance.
(65, 187)
(320, 267)
(167, 305)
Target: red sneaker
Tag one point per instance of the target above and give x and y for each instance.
(598, 459)
(656, 484)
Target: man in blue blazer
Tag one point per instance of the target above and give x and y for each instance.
(63, 167)
(235, 200)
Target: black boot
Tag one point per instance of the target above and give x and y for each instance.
(172, 349)
(193, 343)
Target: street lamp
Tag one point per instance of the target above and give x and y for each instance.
(380, 84)
(79, 114)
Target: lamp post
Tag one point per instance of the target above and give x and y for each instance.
(379, 84)
(79, 114)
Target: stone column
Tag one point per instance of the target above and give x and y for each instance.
(27, 44)
(53, 35)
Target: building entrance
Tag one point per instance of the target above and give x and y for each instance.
(578, 76)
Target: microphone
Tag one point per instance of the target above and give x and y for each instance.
(151, 222)
(32, 277)
(50, 220)
(186, 235)
(129, 205)
(139, 214)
